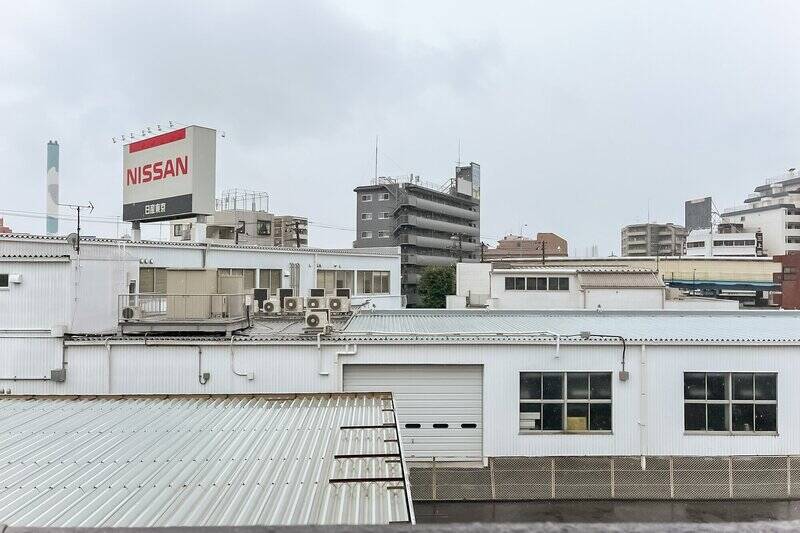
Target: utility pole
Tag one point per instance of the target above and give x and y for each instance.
(297, 232)
(78, 208)
(460, 240)
(543, 245)
(483, 248)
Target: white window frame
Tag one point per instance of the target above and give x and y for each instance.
(383, 234)
(382, 217)
(366, 216)
(373, 275)
(366, 197)
(366, 234)
(383, 197)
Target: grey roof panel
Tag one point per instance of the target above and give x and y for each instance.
(199, 461)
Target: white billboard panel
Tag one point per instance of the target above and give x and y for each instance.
(168, 176)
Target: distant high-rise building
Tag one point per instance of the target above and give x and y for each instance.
(653, 239)
(697, 214)
(432, 225)
(774, 210)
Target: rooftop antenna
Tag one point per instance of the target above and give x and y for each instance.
(78, 208)
(376, 159)
(459, 151)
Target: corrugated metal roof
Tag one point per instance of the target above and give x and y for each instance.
(200, 461)
(33, 257)
(761, 326)
(619, 280)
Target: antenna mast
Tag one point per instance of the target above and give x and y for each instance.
(376, 159)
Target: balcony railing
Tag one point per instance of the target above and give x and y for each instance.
(181, 308)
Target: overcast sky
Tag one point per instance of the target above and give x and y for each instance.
(581, 114)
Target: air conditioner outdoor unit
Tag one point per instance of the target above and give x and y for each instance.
(317, 319)
(272, 306)
(131, 313)
(338, 304)
(316, 302)
(293, 304)
(316, 292)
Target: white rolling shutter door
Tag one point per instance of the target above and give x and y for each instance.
(439, 407)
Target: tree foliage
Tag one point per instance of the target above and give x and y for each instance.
(435, 284)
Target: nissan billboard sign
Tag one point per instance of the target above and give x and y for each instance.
(169, 176)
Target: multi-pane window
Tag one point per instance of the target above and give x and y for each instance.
(383, 234)
(739, 402)
(385, 196)
(3, 281)
(264, 227)
(537, 283)
(330, 280)
(366, 234)
(152, 280)
(373, 282)
(270, 278)
(366, 216)
(366, 197)
(248, 276)
(177, 230)
(564, 401)
(384, 215)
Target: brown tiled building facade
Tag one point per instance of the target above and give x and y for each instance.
(520, 246)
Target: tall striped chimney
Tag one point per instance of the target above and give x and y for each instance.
(52, 187)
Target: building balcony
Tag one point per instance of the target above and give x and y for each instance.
(438, 243)
(152, 313)
(436, 225)
(428, 260)
(439, 208)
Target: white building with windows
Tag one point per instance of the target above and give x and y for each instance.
(707, 242)
(549, 287)
(774, 210)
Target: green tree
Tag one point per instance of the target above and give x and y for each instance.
(435, 284)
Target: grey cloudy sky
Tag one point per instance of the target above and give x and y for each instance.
(580, 113)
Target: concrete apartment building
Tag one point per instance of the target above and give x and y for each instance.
(433, 226)
(653, 239)
(774, 210)
(521, 246)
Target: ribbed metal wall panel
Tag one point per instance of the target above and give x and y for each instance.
(199, 461)
(41, 300)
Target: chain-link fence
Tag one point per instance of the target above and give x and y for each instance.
(654, 478)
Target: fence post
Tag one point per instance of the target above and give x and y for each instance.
(491, 477)
(788, 475)
(613, 491)
(671, 480)
(433, 480)
(730, 477)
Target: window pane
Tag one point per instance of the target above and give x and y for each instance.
(509, 284)
(541, 284)
(563, 284)
(766, 388)
(694, 416)
(552, 284)
(577, 416)
(519, 283)
(600, 386)
(717, 389)
(530, 385)
(742, 415)
(530, 284)
(530, 416)
(600, 417)
(766, 418)
(552, 386)
(577, 385)
(552, 416)
(718, 417)
(694, 386)
(742, 386)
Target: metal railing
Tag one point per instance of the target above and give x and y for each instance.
(658, 478)
(132, 308)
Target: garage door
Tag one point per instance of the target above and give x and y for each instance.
(439, 407)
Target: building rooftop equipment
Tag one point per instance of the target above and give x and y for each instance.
(643, 326)
(192, 461)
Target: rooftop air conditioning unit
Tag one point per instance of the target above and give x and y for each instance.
(283, 294)
(339, 304)
(272, 306)
(316, 302)
(131, 313)
(293, 304)
(316, 293)
(343, 293)
(317, 319)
